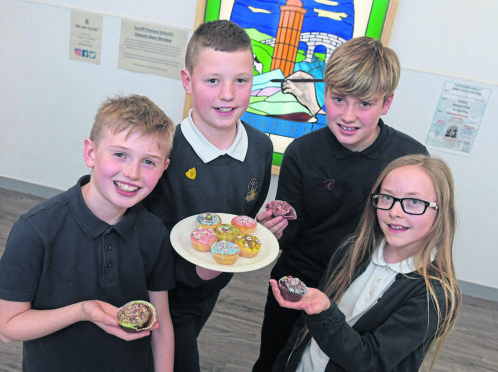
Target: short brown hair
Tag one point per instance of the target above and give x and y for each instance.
(222, 35)
(362, 67)
(134, 113)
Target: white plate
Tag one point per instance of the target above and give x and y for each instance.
(180, 238)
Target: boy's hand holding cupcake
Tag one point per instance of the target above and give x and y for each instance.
(275, 224)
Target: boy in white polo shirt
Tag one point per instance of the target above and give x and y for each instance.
(218, 164)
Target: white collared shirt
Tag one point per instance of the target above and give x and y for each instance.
(364, 292)
(361, 295)
(206, 150)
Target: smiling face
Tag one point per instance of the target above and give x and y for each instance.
(220, 85)
(354, 121)
(404, 232)
(125, 169)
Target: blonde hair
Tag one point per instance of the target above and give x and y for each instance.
(359, 247)
(135, 114)
(222, 35)
(362, 67)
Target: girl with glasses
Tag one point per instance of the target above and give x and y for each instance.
(391, 293)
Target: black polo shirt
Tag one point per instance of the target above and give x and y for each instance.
(59, 253)
(328, 185)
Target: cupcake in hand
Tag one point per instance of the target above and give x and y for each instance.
(136, 316)
(292, 289)
(281, 208)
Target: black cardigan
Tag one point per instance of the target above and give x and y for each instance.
(392, 336)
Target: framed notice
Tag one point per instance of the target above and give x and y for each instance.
(292, 41)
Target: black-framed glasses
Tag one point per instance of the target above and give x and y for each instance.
(409, 205)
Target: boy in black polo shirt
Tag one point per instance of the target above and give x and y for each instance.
(327, 174)
(71, 261)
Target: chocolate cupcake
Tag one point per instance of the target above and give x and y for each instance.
(281, 208)
(292, 289)
(136, 316)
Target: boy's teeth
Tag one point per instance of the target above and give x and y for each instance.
(347, 128)
(225, 109)
(125, 187)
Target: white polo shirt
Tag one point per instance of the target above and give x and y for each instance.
(206, 150)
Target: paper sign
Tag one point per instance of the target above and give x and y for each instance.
(458, 116)
(152, 48)
(85, 40)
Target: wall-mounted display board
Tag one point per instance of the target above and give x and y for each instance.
(292, 41)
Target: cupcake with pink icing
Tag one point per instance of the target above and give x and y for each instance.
(245, 224)
(202, 239)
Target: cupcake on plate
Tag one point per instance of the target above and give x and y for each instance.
(226, 231)
(224, 252)
(208, 220)
(202, 239)
(245, 224)
(249, 245)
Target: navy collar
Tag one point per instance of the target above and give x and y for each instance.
(90, 224)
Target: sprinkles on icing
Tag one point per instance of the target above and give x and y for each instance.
(225, 248)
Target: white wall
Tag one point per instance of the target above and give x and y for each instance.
(454, 40)
(48, 101)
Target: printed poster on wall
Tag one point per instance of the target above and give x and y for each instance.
(458, 117)
(152, 49)
(85, 39)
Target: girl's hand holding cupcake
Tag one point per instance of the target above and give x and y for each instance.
(313, 302)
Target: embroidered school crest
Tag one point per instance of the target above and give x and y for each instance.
(252, 190)
(329, 184)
